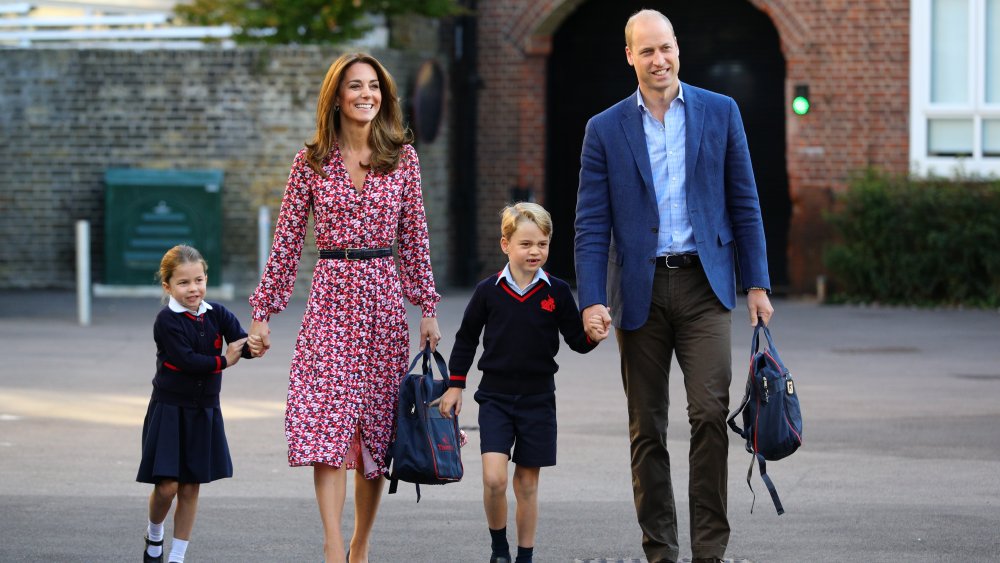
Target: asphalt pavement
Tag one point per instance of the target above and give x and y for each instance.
(901, 455)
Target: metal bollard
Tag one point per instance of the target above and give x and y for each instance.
(83, 272)
(263, 237)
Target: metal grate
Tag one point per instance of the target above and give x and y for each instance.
(979, 376)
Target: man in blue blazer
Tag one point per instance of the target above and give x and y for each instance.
(667, 204)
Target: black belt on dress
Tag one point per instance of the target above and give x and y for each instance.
(678, 261)
(355, 253)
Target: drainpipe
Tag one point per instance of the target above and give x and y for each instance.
(465, 85)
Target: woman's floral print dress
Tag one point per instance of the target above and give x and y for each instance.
(354, 343)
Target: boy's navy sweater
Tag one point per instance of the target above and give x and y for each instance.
(521, 337)
(189, 360)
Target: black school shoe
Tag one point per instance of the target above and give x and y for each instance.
(499, 559)
(146, 557)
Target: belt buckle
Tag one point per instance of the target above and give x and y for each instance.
(347, 254)
(666, 262)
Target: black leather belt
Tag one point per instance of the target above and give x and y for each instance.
(355, 253)
(678, 261)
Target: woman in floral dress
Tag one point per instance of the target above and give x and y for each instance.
(361, 180)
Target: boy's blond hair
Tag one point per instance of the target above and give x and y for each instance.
(514, 214)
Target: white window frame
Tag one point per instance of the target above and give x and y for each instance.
(921, 108)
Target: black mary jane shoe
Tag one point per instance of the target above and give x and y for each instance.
(146, 557)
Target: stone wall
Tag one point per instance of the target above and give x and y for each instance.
(68, 115)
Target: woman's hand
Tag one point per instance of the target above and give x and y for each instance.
(429, 331)
(259, 339)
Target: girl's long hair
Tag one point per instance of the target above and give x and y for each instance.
(388, 134)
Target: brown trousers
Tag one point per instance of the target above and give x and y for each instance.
(685, 318)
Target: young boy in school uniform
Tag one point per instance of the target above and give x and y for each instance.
(520, 311)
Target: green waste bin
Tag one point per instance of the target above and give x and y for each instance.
(149, 211)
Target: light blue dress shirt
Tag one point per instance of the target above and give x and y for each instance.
(540, 276)
(665, 144)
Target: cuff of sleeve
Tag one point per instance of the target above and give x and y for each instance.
(221, 362)
(260, 315)
(456, 381)
(764, 289)
(429, 310)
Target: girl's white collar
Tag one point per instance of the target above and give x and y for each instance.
(176, 307)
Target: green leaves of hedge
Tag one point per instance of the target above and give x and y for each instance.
(304, 21)
(917, 241)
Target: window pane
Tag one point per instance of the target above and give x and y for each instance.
(949, 137)
(950, 51)
(991, 137)
(992, 71)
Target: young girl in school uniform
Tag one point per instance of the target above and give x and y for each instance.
(183, 438)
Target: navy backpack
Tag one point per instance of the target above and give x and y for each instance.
(426, 449)
(772, 419)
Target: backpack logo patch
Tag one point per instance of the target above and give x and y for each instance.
(444, 445)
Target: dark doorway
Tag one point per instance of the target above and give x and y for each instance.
(725, 45)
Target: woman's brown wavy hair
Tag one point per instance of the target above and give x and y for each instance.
(388, 134)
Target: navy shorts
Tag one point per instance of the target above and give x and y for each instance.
(526, 423)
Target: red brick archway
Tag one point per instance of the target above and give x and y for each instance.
(863, 47)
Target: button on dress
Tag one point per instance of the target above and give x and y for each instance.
(353, 344)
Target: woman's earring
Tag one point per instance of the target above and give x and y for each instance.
(336, 107)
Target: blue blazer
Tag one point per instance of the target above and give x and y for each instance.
(617, 216)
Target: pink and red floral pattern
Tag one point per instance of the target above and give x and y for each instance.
(354, 343)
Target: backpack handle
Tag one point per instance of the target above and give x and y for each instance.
(428, 367)
(755, 343)
(754, 348)
(438, 359)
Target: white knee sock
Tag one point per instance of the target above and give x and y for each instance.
(177, 549)
(155, 533)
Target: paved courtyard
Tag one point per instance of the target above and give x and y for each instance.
(901, 460)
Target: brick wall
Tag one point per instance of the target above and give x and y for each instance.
(68, 115)
(855, 57)
(853, 54)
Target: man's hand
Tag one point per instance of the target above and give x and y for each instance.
(759, 306)
(595, 326)
(591, 325)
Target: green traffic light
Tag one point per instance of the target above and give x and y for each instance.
(800, 105)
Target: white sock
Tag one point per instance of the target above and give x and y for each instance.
(177, 549)
(155, 533)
